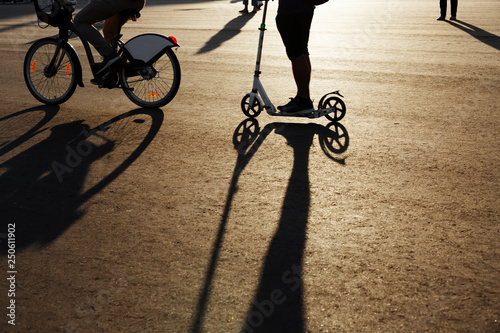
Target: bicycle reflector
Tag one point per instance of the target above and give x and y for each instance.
(68, 69)
(153, 95)
(173, 39)
(33, 66)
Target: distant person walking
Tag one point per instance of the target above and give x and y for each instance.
(256, 6)
(443, 4)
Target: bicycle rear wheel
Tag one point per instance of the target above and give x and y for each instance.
(152, 85)
(50, 82)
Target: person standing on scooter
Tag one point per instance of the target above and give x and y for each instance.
(294, 23)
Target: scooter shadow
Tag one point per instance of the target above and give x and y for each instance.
(247, 139)
(278, 303)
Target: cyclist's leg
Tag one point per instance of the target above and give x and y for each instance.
(113, 24)
(95, 11)
(111, 27)
(99, 10)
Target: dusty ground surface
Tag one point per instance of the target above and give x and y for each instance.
(167, 227)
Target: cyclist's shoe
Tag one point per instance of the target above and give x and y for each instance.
(297, 105)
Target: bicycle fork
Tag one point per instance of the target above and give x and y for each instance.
(51, 69)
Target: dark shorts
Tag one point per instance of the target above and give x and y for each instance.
(294, 30)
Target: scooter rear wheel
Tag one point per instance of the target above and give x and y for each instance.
(339, 108)
(253, 110)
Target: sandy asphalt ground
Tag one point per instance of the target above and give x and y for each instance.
(175, 224)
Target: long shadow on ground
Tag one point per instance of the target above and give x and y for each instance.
(42, 187)
(478, 33)
(278, 303)
(230, 30)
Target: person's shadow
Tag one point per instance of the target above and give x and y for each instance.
(278, 303)
(42, 188)
(478, 33)
(230, 30)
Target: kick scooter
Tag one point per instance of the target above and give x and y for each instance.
(331, 105)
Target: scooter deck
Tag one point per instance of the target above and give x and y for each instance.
(307, 114)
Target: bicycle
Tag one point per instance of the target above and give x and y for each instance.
(149, 73)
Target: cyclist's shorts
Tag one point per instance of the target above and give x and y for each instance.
(294, 30)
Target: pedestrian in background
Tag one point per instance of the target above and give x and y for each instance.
(256, 6)
(443, 4)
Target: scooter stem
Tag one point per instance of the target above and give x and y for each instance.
(261, 39)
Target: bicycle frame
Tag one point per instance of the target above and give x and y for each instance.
(63, 38)
(145, 49)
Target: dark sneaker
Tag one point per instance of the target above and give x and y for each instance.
(297, 105)
(453, 18)
(441, 18)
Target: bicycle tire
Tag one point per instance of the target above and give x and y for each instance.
(55, 87)
(155, 91)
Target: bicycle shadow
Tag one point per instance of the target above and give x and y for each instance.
(230, 30)
(42, 188)
(478, 33)
(280, 291)
(49, 112)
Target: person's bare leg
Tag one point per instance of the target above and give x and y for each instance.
(301, 67)
(111, 27)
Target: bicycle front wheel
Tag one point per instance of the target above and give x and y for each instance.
(50, 77)
(152, 85)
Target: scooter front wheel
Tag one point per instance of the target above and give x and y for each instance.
(245, 134)
(253, 110)
(338, 106)
(334, 140)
